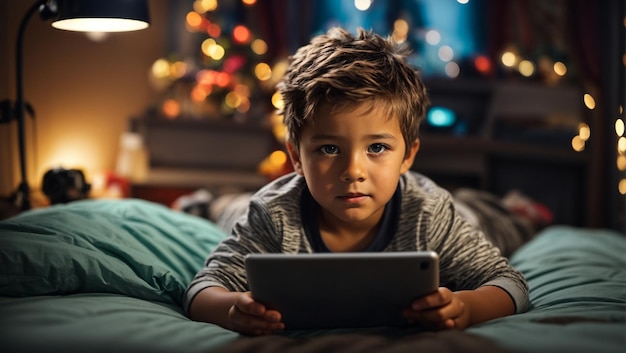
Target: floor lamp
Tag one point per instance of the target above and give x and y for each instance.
(72, 15)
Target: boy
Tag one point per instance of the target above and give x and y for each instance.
(353, 106)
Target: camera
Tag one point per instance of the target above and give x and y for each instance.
(64, 185)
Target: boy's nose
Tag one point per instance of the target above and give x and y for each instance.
(354, 169)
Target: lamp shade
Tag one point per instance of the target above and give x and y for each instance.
(102, 15)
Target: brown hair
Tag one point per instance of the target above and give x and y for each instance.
(338, 68)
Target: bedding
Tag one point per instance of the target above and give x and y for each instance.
(108, 275)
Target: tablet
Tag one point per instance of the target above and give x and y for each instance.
(342, 290)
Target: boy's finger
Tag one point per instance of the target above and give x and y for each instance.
(432, 300)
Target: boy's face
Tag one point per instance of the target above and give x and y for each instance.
(352, 159)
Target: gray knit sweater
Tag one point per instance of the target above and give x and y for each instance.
(428, 221)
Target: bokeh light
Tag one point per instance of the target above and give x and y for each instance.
(589, 101)
(619, 127)
(560, 68)
(508, 59)
(362, 5)
(578, 144)
(622, 186)
(433, 37)
(584, 131)
(452, 69)
(526, 68)
(445, 53)
(241, 34)
(259, 47)
(263, 71)
(277, 100)
(171, 108)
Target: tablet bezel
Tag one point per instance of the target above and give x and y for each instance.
(342, 290)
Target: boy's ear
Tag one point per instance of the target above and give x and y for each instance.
(410, 157)
(294, 156)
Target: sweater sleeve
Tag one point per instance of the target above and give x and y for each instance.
(467, 259)
(256, 232)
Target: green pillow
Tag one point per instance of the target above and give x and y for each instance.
(132, 247)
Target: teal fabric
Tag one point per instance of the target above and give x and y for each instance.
(108, 275)
(577, 281)
(131, 247)
(95, 322)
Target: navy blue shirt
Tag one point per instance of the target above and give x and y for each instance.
(389, 223)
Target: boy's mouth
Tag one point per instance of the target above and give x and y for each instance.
(353, 197)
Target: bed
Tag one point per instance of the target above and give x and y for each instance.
(109, 275)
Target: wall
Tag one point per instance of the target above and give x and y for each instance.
(83, 92)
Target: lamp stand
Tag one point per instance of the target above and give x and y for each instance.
(23, 190)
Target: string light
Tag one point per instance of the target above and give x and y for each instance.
(433, 37)
(619, 127)
(509, 59)
(590, 102)
(526, 68)
(560, 68)
(362, 5)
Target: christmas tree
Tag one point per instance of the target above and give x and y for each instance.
(229, 76)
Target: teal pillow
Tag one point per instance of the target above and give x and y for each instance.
(131, 247)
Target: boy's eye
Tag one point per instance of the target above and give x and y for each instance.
(377, 148)
(329, 149)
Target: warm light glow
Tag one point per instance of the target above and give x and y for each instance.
(263, 71)
(621, 162)
(277, 100)
(249, 2)
(97, 36)
(178, 69)
(206, 77)
(482, 64)
(526, 68)
(433, 37)
(202, 6)
(622, 186)
(619, 127)
(77, 152)
(362, 5)
(584, 131)
(242, 90)
(560, 68)
(232, 99)
(279, 70)
(193, 19)
(100, 25)
(199, 94)
(508, 59)
(161, 68)
(445, 53)
(578, 144)
(401, 26)
(621, 145)
(400, 30)
(589, 101)
(244, 105)
(259, 47)
(213, 30)
(222, 79)
(279, 130)
(171, 108)
(241, 34)
(278, 157)
(211, 49)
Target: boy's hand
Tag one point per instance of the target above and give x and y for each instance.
(253, 318)
(442, 309)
